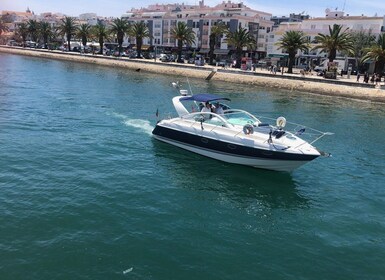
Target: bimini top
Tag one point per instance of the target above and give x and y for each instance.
(204, 97)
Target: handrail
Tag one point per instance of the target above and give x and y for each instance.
(223, 120)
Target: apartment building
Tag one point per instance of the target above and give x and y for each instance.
(313, 26)
(161, 19)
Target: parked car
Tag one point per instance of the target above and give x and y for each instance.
(319, 68)
(164, 57)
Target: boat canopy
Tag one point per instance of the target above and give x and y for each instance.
(204, 97)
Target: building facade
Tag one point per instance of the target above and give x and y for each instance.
(313, 26)
(161, 19)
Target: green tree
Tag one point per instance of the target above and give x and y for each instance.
(337, 40)
(3, 26)
(240, 39)
(377, 53)
(291, 42)
(362, 40)
(45, 31)
(22, 31)
(119, 28)
(140, 31)
(216, 32)
(184, 35)
(83, 33)
(68, 29)
(101, 33)
(33, 29)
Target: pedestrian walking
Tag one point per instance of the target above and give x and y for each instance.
(372, 79)
(378, 79)
(358, 77)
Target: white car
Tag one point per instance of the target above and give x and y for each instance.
(319, 68)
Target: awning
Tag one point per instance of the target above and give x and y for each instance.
(144, 47)
(204, 51)
(204, 97)
(221, 52)
(278, 55)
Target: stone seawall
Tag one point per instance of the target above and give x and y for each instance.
(346, 89)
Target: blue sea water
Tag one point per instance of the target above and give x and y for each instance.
(87, 193)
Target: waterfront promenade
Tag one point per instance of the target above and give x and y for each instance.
(342, 87)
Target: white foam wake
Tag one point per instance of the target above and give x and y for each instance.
(143, 125)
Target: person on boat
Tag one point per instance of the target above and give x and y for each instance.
(206, 109)
(218, 109)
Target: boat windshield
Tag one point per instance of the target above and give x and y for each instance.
(239, 117)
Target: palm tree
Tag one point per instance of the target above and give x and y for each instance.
(336, 41)
(22, 31)
(68, 28)
(377, 54)
(140, 31)
(33, 29)
(362, 40)
(240, 39)
(45, 31)
(119, 27)
(184, 35)
(291, 42)
(216, 31)
(3, 26)
(101, 32)
(83, 32)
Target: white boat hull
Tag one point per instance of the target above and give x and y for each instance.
(270, 164)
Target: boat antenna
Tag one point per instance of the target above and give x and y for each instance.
(188, 82)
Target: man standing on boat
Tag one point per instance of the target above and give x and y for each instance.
(218, 109)
(206, 109)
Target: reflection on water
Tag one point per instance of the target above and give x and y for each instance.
(240, 184)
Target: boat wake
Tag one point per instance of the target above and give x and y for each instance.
(143, 125)
(140, 124)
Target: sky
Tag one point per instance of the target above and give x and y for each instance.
(116, 8)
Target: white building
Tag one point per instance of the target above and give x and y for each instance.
(311, 28)
(161, 19)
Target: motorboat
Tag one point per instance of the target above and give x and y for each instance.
(236, 136)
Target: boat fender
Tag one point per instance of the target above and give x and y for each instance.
(248, 129)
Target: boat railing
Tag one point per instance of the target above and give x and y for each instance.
(207, 117)
(311, 135)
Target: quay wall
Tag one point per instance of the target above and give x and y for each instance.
(337, 88)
